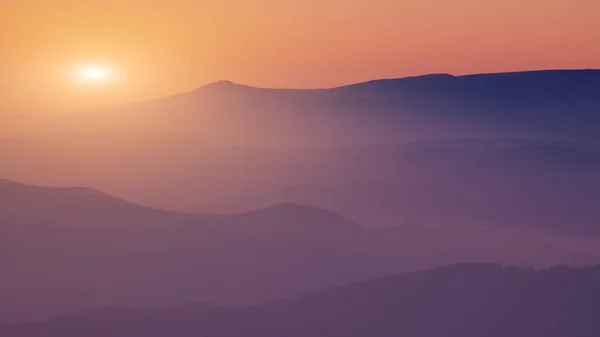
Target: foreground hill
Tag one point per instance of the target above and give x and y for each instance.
(469, 300)
(68, 249)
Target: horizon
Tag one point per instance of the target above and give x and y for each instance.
(226, 81)
(31, 118)
(343, 85)
(166, 47)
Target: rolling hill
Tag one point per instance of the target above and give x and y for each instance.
(69, 249)
(469, 300)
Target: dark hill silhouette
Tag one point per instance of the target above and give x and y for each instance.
(536, 96)
(470, 300)
(69, 249)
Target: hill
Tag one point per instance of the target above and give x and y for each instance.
(469, 300)
(69, 249)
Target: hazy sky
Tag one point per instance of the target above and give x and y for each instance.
(160, 47)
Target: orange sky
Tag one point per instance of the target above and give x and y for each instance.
(162, 47)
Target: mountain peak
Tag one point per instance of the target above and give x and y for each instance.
(434, 75)
(290, 216)
(223, 85)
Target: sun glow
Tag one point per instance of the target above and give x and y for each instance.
(94, 74)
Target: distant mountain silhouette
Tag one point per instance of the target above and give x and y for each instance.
(69, 249)
(549, 104)
(470, 300)
(224, 86)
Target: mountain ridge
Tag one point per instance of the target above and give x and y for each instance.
(229, 84)
(556, 104)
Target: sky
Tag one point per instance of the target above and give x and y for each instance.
(161, 47)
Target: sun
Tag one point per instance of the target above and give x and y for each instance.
(93, 74)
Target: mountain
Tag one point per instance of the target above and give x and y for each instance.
(469, 300)
(70, 249)
(546, 104)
